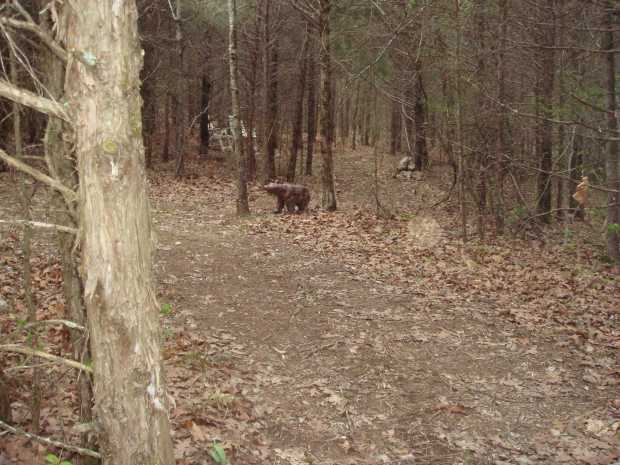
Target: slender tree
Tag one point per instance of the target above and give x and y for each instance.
(270, 80)
(298, 118)
(328, 196)
(205, 134)
(179, 89)
(311, 109)
(242, 191)
(612, 158)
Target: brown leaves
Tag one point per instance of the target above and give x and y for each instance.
(581, 193)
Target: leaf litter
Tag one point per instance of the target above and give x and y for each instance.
(345, 338)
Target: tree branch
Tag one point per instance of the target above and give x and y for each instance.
(39, 353)
(28, 99)
(38, 224)
(49, 442)
(48, 40)
(38, 175)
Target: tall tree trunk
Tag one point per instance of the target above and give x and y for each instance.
(205, 135)
(459, 132)
(419, 120)
(243, 207)
(179, 92)
(271, 96)
(165, 153)
(252, 87)
(575, 164)
(311, 110)
(123, 318)
(481, 108)
(355, 117)
(328, 197)
(612, 158)
(544, 92)
(62, 165)
(346, 113)
(367, 117)
(396, 128)
(502, 124)
(149, 113)
(298, 119)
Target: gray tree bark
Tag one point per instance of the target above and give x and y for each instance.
(328, 197)
(103, 93)
(242, 188)
(612, 159)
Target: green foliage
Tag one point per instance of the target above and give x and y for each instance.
(613, 228)
(517, 214)
(218, 454)
(166, 309)
(51, 459)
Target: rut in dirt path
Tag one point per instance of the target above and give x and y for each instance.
(361, 372)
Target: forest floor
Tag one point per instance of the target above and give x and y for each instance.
(345, 338)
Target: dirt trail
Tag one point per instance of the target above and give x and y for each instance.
(348, 370)
(295, 357)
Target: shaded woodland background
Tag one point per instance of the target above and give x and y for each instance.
(520, 93)
(518, 96)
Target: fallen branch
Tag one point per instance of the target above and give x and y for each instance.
(49, 442)
(31, 100)
(38, 175)
(67, 323)
(38, 353)
(38, 224)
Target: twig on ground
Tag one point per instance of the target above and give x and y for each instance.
(49, 442)
(38, 224)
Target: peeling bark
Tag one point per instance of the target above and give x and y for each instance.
(130, 396)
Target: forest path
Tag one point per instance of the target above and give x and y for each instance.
(340, 368)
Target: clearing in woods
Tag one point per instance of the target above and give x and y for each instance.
(346, 339)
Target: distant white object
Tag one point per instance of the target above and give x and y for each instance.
(406, 169)
(3, 304)
(406, 164)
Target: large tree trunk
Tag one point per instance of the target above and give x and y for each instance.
(62, 164)
(242, 190)
(328, 197)
(612, 162)
(104, 97)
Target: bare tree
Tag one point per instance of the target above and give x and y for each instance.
(242, 191)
